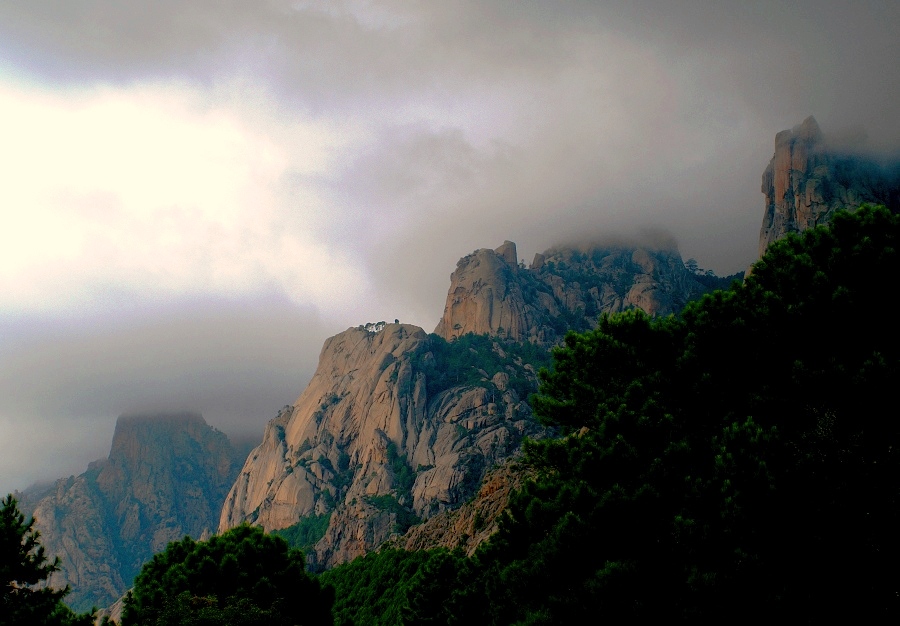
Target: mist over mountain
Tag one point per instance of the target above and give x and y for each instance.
(810, 177)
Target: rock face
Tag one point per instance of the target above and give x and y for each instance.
(165, 478)
(366, 444)
(376, 445)
(564, 288)
(807, 181)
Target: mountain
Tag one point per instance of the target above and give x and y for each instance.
(808, 179)
(367, 444)
(165, 477)
(398, 426)
(564, 288)
(493, 294)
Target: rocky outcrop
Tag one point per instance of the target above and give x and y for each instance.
(367, 444)
(807, 180)
(565, 288)
(486, 296)
(165, 477)
(471, 524)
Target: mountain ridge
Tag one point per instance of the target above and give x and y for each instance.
(397, 426)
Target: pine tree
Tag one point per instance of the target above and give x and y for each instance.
(25, 598)
(243, 577)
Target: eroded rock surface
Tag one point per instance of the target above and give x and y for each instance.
(471, 524)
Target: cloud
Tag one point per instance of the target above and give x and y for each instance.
(65, 379)
(141, 191)
(338, 157)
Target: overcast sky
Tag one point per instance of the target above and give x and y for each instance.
(195, 194)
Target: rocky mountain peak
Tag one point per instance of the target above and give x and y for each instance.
(485, 296)
(807, 180)
(507, 252)
(373, 443)
(565, 287)
(140, 438)
(397, 426)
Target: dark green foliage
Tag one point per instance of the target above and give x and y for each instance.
(397, 587)
(24, 570)
(712, 282)
(741, 459)
(708, 278)
(242, 577)
(306, 533)
(466, 359)
(403, 473)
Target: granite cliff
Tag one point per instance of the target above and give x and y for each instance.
(808, 179)
(367, 445)
(165, 477)
(398, 426)
(564, 288)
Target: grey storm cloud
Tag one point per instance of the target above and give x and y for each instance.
(774, 55)
(537, 122)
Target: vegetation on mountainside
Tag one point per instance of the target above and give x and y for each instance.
(472, 360)
(243, 577)
(737, 460)
(739, 455)
(708, 278)
(25, 596)
(306, 533)
(387, 587)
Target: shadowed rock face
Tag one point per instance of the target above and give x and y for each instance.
(165, 478)
(807, 181)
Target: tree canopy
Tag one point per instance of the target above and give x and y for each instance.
(243, 577)
(739, 458)
(25, 596)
